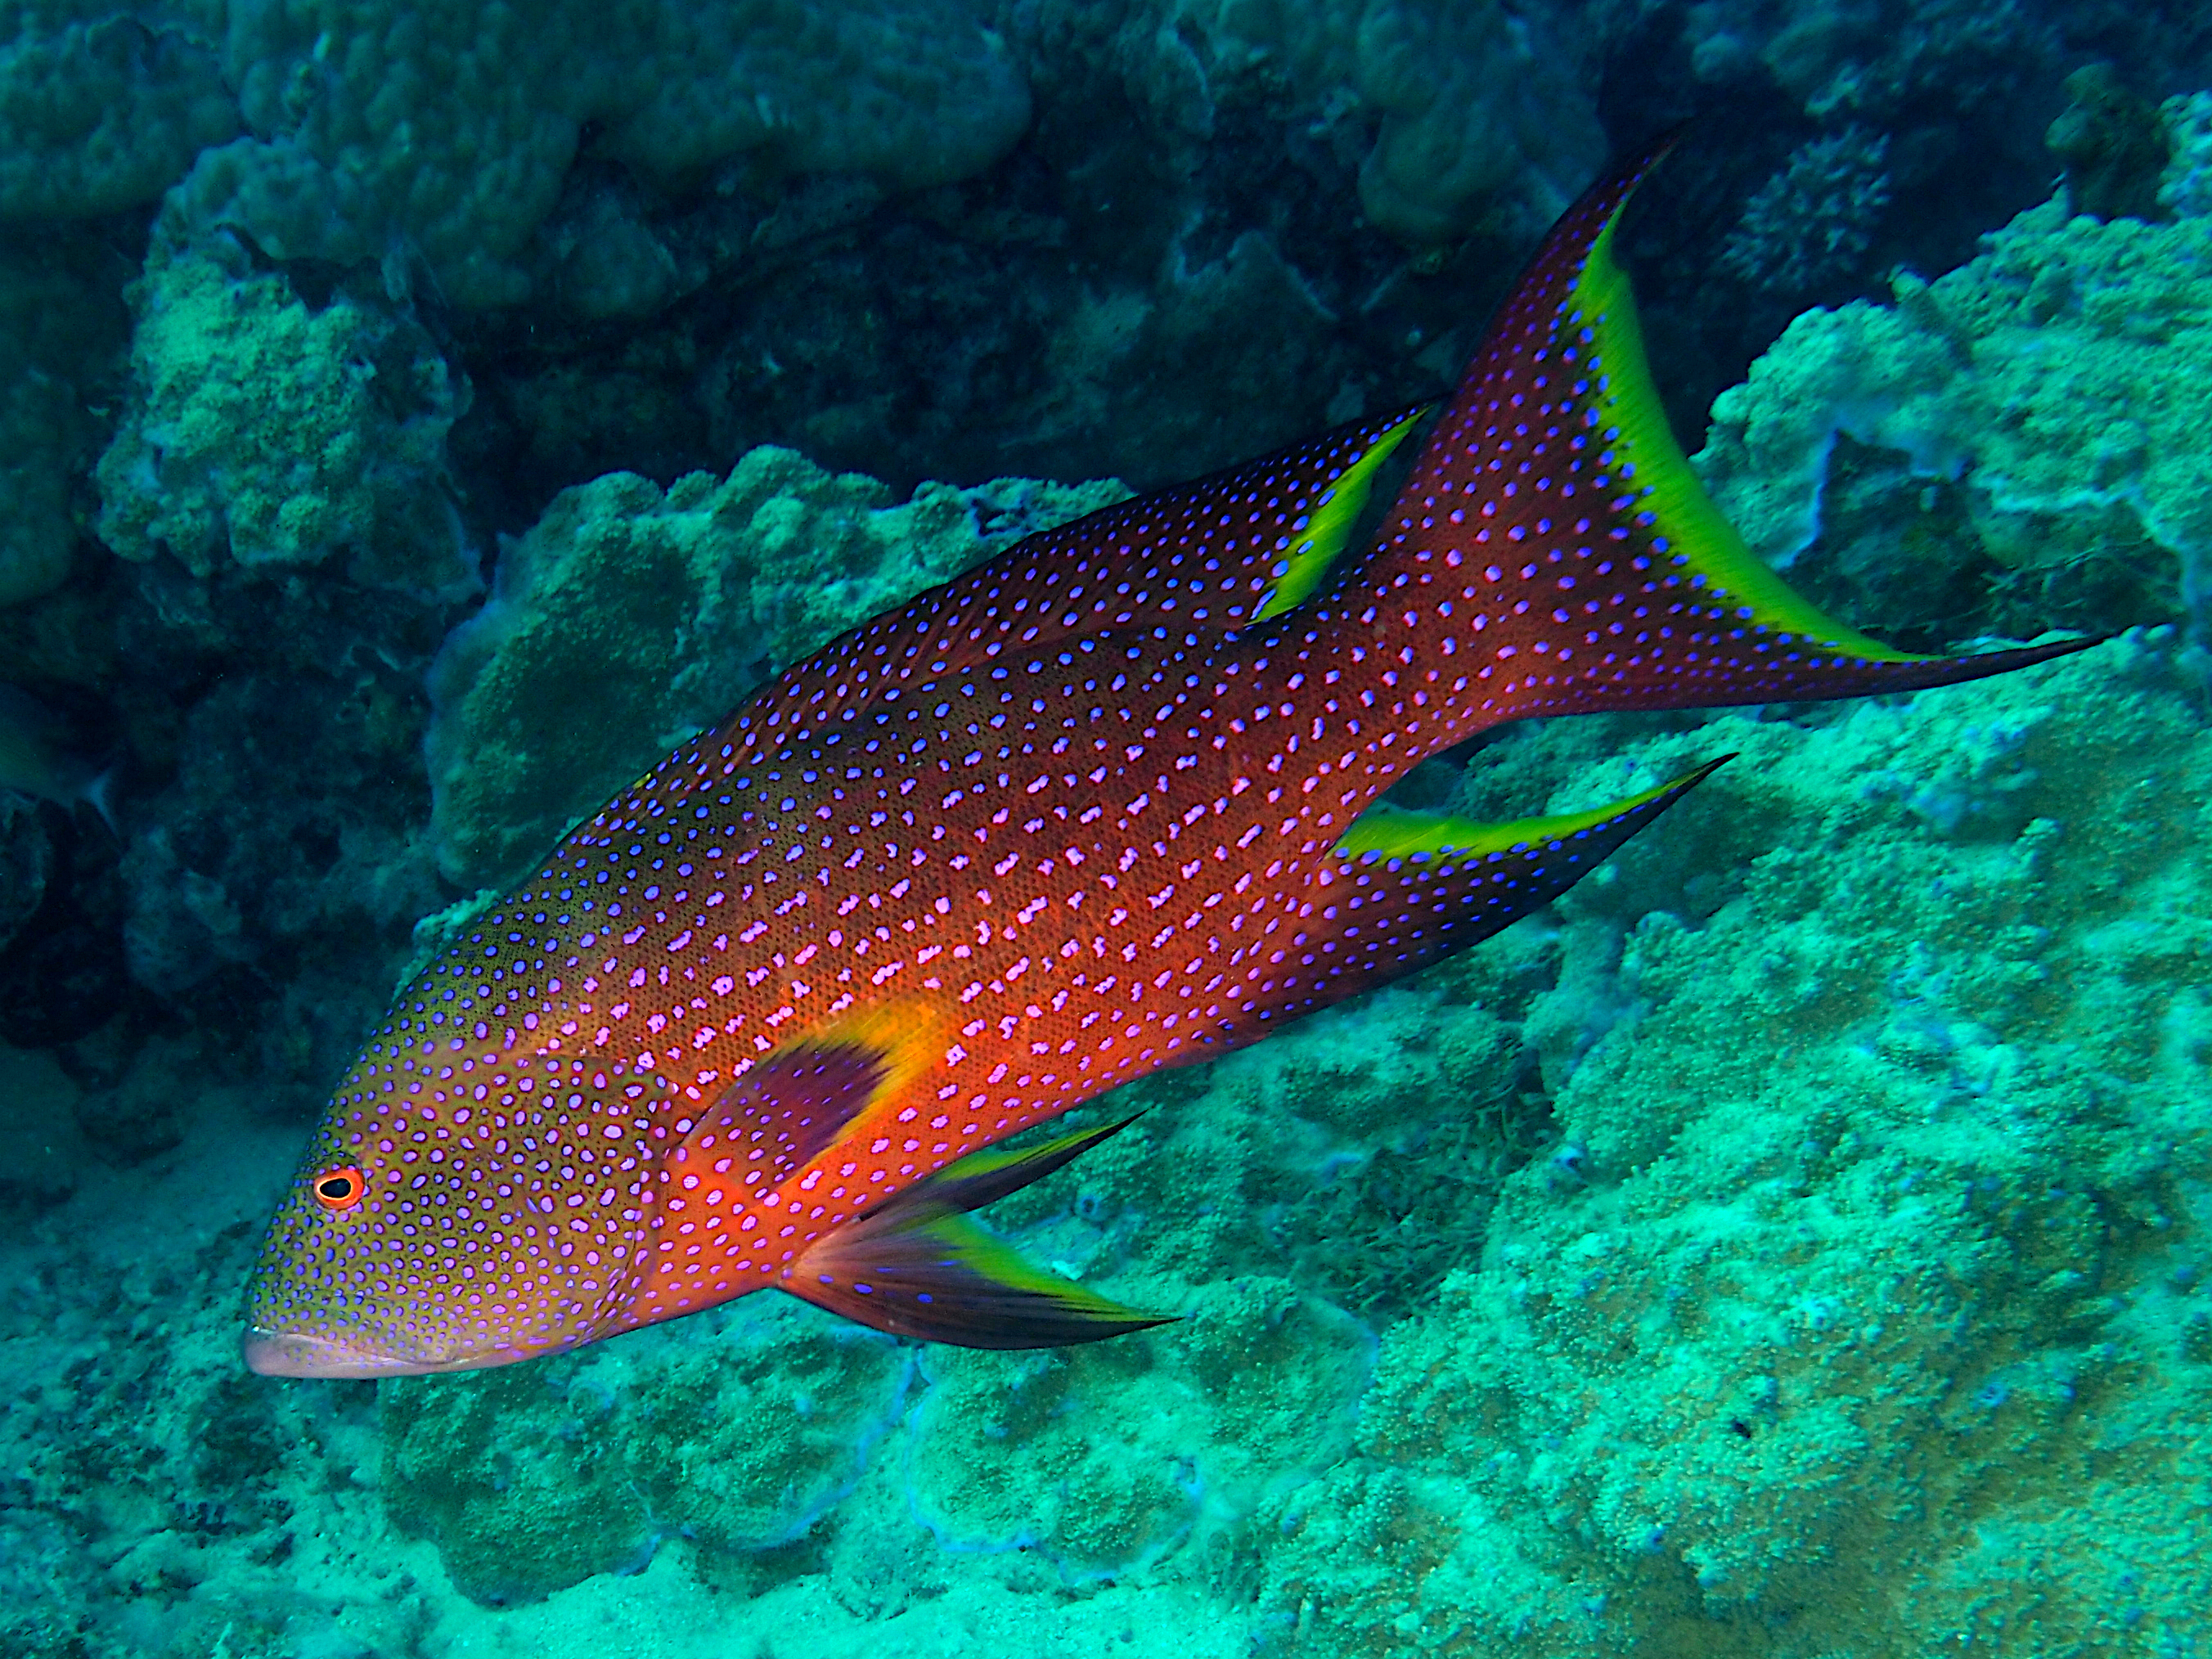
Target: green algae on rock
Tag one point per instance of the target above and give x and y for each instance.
(1053, 1451)
(268, 434)
(1880, 1237)
(62, 327)
(1795, 1339)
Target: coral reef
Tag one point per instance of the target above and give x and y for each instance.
(278, 434)
(1793, 1243)
(1811, 222)
(2052, 389)
(453, 130)
(2114, 145)
(294, 887)
(1809, 1341)
(103, 108)
(2184, 189)
(27, 856)
(1922, 1236)
(1478, 112)
(1042, 1452)
(1873, 63)
(62, 325)
(494, 99)
(737, 1450)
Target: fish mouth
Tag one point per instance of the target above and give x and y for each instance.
(295, 1353)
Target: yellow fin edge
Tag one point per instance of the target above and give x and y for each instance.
(1330, 527)
(904, 1037)
(1387, 832)
(1684, 513)
(991, 1257)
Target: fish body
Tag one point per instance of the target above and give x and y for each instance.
(1108, 803)
(37, 757)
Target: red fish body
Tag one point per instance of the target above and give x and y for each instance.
(1105, 805)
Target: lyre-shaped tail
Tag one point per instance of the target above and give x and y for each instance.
(1552, 547)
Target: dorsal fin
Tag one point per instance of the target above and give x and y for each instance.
(1572, 561)
(1331, 518)
(1202, 559)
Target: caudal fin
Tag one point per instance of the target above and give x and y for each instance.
(1552, 547)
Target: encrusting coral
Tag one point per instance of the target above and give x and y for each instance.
(1481, 115)
(62, 329)
(2059, 381)
(268, 433)
(1792, 1243)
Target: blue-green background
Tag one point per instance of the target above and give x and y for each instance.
(1792, 1243)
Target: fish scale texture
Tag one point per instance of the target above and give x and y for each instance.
(1155, 909)
(1790, 1243)
(1551, 535)
(629, 617)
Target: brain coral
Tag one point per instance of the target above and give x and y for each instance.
(451, 125)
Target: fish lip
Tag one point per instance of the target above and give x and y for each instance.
(296, 1353)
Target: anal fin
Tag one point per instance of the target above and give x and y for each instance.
(1414, 887)
(1586, 836)
(920, 1268)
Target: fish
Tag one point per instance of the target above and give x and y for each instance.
(1114, 801)
(38, 757)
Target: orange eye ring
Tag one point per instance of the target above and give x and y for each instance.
(339, 1190)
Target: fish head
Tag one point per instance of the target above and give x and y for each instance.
(459, 1208)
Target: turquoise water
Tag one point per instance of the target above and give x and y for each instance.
(1790, 1242)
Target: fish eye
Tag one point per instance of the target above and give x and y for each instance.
(338, 1190)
